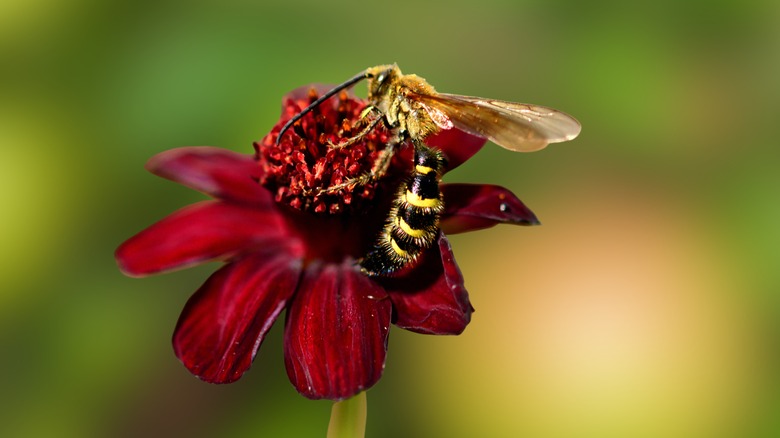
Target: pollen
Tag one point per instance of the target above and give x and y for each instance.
(305, 164)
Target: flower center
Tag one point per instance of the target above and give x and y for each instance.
(302, 168)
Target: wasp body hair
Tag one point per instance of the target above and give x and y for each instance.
(413, 222)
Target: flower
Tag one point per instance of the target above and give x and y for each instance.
(286, 249)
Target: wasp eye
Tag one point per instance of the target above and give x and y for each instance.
(381, 78)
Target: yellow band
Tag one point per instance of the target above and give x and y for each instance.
(408, 229)
(397, 248)
(423, 169)
(420, 202)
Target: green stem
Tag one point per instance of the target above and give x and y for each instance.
(348, 418)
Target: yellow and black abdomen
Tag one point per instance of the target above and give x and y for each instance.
(413, 223)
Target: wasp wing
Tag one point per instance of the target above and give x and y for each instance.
(514, 126)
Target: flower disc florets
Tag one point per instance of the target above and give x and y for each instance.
(305, 162)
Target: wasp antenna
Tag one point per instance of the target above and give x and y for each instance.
(348, 83)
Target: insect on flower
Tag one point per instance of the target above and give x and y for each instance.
(288, 254)
(412, 110)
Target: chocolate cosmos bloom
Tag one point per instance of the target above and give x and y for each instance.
(287, 250)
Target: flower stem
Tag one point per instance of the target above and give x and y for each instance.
(348, 418)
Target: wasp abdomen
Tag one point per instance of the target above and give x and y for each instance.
(413, 222)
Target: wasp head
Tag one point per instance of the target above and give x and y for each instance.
(380, 81)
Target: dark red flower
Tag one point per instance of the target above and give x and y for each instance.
(287, 250)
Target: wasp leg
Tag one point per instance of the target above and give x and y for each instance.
(359, 136)
(378, 170)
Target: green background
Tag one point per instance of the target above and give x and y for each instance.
(646, 305)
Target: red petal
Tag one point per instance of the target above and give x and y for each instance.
(224, 323)
(432, 299)
(458, 146)
(217, 172)
(471, 207)
(198, 233)
(336, 333)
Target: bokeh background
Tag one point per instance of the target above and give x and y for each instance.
(645, 306)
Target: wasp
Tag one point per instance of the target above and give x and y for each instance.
(412, 110)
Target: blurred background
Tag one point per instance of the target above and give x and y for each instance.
(645, 306)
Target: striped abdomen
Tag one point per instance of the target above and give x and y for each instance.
(413, 223)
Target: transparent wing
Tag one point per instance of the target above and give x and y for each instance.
(514, 126)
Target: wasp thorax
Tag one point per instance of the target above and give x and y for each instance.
(301, 168)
